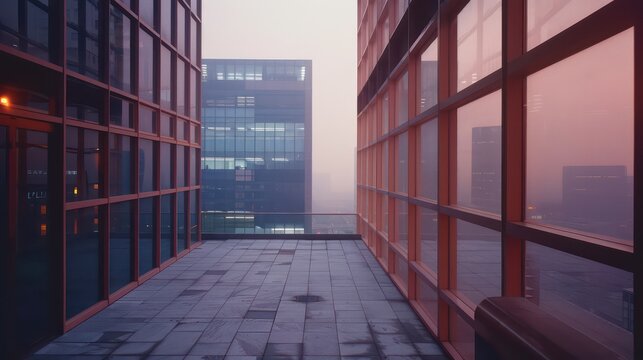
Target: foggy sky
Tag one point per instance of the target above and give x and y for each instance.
(323, 31)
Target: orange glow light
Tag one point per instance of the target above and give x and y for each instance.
(43, 229)
(4, 101)
(96, 186)
(43, 209)
(76, 190)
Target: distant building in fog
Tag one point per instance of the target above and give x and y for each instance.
(486, 168)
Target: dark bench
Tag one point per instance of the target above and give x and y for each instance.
(516, 328)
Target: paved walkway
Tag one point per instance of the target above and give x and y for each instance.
(254, 299)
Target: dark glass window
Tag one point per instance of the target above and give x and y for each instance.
(181, 221)
(146, 62)
(84, 33)
(180, 28)
(194, 86)
(181, 134)
(166, 20)
(84, 101)
(120, 50)
(84, 178)
(194, 221)
(26, 27)
(166, 78)
(146, 231)
(167, 166)
(180, 87)
(146, 10)
(84, 260)
(121, 164)
(147, 120)
(180, 166)
(167, 125)
(194, 169)
(167, 226)
(147, 165)
(121, 112)
(193, 41)
(120, 245)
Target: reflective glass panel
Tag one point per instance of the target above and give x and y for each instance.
(180, 29)
(146, 9)
(25, 25)
(402, 99)
(147, 119)
(146, 165)
(479, 41)
(427, 229)
(121, 112)
(167, 226)
(84, 170)
(580, 141)
(120, 50)
(402, 169)
(166, 78)
(121, 240)
(84, 34)
(146, 234)
(181, 221)
(166, 20)
(428, 78)
(180, 87)
(427, 176)
(479, 142)
(181, 166)
(194, 220)
(167, 166)
(146, 67)
(427, 296)
(167, 125)
(121, 174)
(84, 101)
(402, 223)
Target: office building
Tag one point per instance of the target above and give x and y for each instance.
(494, 158)
(257, 148)
(99, 155)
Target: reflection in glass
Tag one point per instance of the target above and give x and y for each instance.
(146, 165)
(121, 164)
(167, 166)
(146, 232)
(167, 125)
(479, 142)
(167, 226)
(166, 78)
(146, 119)
(402, 99)
(180, 29)
(121, 240)
(479, 40)
(402, 169)
(385, 165)
(120, 50)
(84, 101)
(181, 168)
(28, 33)
(193, 40)
(428, 78)
(479, 270)
(180, 87)
(461, 335)
(402, 270)
(181, 222)
(427, 296)
(146, 62)
(146, 11)
(595, 298)
(545, 19)
(84, 260)
(121, 112)
(402, 223)
(84, 171)
(166, 20)
(580, 141)
(84, 33)
(427, 177)
(194, 221)
(427, 246)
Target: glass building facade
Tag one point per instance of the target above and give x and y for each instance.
(99, 188)
(256, 147)
(494, 159)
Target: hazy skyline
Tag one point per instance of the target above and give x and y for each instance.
(286, 29)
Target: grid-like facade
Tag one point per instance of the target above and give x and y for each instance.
(257, 148)
(500, 154)
(99, 155)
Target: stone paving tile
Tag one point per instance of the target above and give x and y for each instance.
(257, 300)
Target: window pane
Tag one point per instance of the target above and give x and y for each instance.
(146, 11)
(84, 35)
(194, 221)
(402, 99)
(181, 222)
(427, 225)
(147, 165)
(479, 41)
(146, 231)
(85, 102)
(545, 19)
(121, 112)
(166, 78)
(478, 154)
(428, 78)
(427, 177)
(120, 245)
(146, 78)
(385, 115)
(427, 296)
(402, 270)
(84, 268)
(180, 166)
(28, 33)
(580, 141)
(402, 181)
(120, 164)
(180, 28)
(385, 165)
(180, 87)
(166, 20)
(120, 50)
(594, 298)
(84, 175)
(146, 119)
(167, 226)
(194, 86)
(402, 223)
(167, 125)
(194, 168)
(167, 166)
(479, 270)
(193, 41)
(461, 335)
